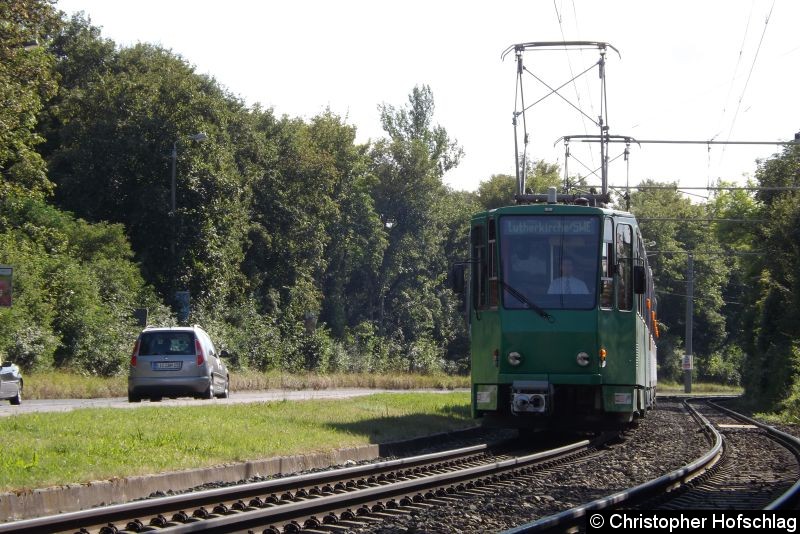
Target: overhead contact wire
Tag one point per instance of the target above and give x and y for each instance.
(752, 67)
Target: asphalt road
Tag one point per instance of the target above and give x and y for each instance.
(65, 405)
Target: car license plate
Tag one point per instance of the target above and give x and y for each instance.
(166, 366)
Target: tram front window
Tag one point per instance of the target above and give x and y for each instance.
(552, 260)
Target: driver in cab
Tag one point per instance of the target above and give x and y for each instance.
(567, 283)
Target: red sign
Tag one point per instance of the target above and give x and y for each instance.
(5, 286)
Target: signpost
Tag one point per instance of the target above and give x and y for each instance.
(182, 306)
(687, 371)
(140, 314)
(6, 277)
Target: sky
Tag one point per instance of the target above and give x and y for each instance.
(725, 70)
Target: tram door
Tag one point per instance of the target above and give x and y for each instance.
(617, 321)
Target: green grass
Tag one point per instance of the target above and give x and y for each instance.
(61, 385)
(782, 418)
(749, 408)
(701, 388)
(45, 449)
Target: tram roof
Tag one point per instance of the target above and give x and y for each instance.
(553, 209)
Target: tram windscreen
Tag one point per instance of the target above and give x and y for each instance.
(551, 259)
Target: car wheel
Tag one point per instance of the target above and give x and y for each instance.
(17, 399)
(210, 393)
(132, 397)
(226, 392)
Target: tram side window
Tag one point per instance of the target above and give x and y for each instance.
(625, 267)
(492, 260)
(479, 268)
(641, 259)
(607, 266)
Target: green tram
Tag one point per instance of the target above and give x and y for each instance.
(562, 316)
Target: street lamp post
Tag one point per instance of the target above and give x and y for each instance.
(196, 137)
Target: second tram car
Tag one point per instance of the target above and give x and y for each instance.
(562, 317)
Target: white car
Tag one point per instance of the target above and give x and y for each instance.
(176, 361)
(10, 383)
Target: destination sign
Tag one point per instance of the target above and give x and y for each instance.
(545, 226)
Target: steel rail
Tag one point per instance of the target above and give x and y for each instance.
(791, 496)
(570, 517)
(661, 484)
(153, 507)
(260, 517)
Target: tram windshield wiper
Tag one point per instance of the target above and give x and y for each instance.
(531, 306)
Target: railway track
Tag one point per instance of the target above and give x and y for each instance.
(758, 468)
(335, 499)
(752, 465)
(749, 465)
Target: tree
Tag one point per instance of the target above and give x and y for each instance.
(676, 227)
(456, 210)
(111, 134)
(26, 83)
(738, 212)
(500, 189)
(75, 283)
(497, 191)
(772, 368)
(315, 236)
(408, 194)
(356, 239)
(75, 289)
(542, 175)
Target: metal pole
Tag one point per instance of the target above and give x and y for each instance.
(627, 178)
(174, 164)
(687, 373)
(521, 173)
(603, 126)
(520, 188)
(172, 197)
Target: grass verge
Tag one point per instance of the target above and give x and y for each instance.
(46, 449)
(61, 385)
(701, 388)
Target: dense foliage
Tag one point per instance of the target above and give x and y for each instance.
(27, 81)
(302, 249)
(746, 251)
(771, 287)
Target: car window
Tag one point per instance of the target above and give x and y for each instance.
(167, 343)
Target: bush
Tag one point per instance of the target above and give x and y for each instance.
(365, 351)
(32, 348)
(723, 367)
(770, 379)
(670, 354)
(75, 288)
(792, 404)
(251, 339)
(424, 357)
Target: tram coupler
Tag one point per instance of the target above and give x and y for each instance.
(531, 396)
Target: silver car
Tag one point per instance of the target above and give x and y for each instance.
(10, 383)
(174, 362)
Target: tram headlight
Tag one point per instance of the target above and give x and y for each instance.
(514, 358)
(582, 359)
